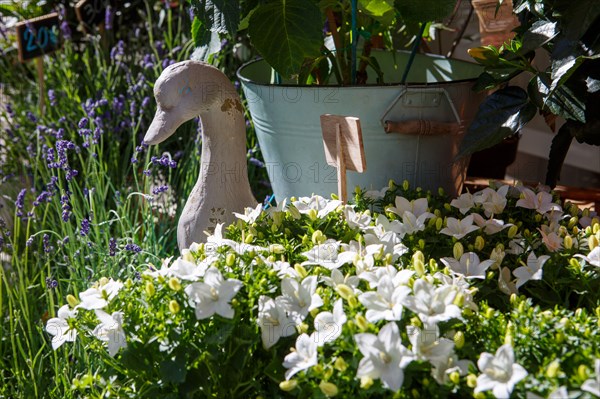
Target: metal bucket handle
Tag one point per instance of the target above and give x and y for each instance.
(420, 126)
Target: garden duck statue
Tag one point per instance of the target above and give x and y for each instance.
(183, 91)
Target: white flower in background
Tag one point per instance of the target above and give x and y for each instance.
(516, 246)
(499, 372)
(464, 203)
(326, 255)
(468, 266)
(163, 271)
(416, 207)
(459, 228)
(490, 226)
(99, 296)
(250, 214)
(384, 356)
(441, 371)
(59, 327)
(386, 303)
(213, 295)
(592, 385)
(299, 298)
(273, 321)
(428, 345)
(540, 202)
(412, 224)
(432, 304)
(505, 283)
(283, 269)
(593, 257)
(186, 270)
(303, 357)
(551, 238)
(337, 278)
(384, 225)
(318, 203)
(360, 220)
(531, 271)
(110, 330)
(376, 194)
(389, 243)
(218, 240)
(399, 277)
(461, 285)
(329, 325)
(493, 202)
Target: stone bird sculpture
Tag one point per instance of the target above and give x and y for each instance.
(183, 91)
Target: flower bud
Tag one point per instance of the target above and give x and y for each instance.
(352, 302)
(149, 288)
(489, 313)
(276, 248)
(187, 255)
(405, 185)
(415, 321)
(573, 221)
(568, 242)
(366, 382)
(471, 380)
(512, 231)
(583, 372)
(454, 377)
(459, 300)
(317, 237)
(249, 238)
(302, 328)
(313, 214)
(294, 212)
(388, 259)
(479, 243)
(174, 306)
(361, 322)
(328, 389)
(595, 226)
(592, 242)
(458, 250)
(459, 339)
(438, 224)
(574, 263)
(288, 385)
(344, 291)
(553, 369)
(340, 364)
(174, 284)
(300, 270)
(72, 301)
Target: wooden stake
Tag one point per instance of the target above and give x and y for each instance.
(39, 63)
(341, 165)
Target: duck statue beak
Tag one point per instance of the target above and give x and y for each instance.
(163, 125)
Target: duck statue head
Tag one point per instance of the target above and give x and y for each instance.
(183, 91)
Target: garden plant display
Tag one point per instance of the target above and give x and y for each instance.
(404, 294)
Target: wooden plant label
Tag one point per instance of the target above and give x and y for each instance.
(342, 139)
(38, 36)
(91, 12)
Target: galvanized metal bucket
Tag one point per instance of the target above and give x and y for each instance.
(425, 120)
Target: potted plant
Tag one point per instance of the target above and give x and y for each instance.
(568, 89)
(318, 58)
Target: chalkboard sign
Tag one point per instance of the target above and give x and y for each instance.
(38, 36)
(91, 12)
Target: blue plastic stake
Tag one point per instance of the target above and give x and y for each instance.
(354, 41)
(413, 52)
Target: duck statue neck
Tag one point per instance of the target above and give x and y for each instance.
(183, 91)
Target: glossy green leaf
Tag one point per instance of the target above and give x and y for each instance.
(285, 32)
(593, 85)
(378, 8)
(577, 17)
(502, 114)
(558, 152)
(540, 33)
(562, 69)
(425, 11)
(561, 102)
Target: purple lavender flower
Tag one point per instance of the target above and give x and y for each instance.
(31, 117)
(65, 30)
(66, 208)
(134, 160)
(133, 248)
(109, 16)
(160, 189)
(51, 283)
(29, 242)
(145, 102)
(52, 97)
(44, 196)
(71, 173)
(46, 241)
(256, 162)
(9, 110)
(85, 227)
(83, 122)
(147, 172)
(164, 161)
(20, 202)
(112, 247)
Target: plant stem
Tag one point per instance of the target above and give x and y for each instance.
(412, 54)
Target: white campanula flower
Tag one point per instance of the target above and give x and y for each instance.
(326, 255)
(592, 385)
(274, 321)
(355, 220)
(441, 371)
(110, 330)
(337, 278)
(185, 270)
(59, 327)
(329, 325)
(540, 202)
(250, 214)
(412, 223)
(464, 203)
(499, 372)
(493, 202)
(303, 357)
(399, 277)
(386, 302)
(283, 269)
(468, 266)
(559, 393)
(460, 284)
(376, 194)
(428, 345)
(217, 240)
(459, 228)
(299, 298)
(505, 283)
(531, 271)
(323, 206)
(389, 243)
(384, 356)
(213, 295)
(593, 257)
(383, 225)
(416, 207)
(550, 237)
(99, 296)
(490, 226)
(432, 304)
